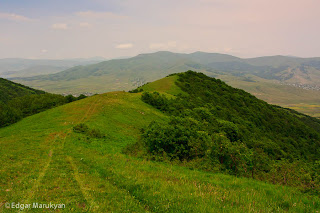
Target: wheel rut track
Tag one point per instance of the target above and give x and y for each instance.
(94, 207)
(63, 135)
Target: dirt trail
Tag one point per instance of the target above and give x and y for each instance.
(58, 147)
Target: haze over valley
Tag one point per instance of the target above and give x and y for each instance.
(287, 81)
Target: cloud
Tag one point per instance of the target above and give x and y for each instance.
(84, 24)
(14, 17)
(124, 46)
(163, 46)
(59, 26)
(99, 15)
(44, 51)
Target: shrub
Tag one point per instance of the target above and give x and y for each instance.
(84, 129)
(81, 128)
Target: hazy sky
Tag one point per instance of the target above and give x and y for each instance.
(115, 28)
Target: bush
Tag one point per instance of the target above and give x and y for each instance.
(95, 133)
(82, 96)
(136, 90)
(84, 129)
(180, 138)
(81, 128)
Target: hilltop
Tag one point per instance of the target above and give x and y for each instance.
(288, 81)
(74, 154)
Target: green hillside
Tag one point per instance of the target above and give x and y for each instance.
(10, 90)
(18, 101)
(74, 155)
(218, 127)
(279, 76)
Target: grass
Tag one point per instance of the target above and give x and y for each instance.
(309, 109)
(43, 160)
(164, 85)
(92, 84)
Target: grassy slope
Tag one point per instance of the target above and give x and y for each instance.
(43, 160)
(164, 85)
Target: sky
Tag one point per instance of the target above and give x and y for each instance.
(59, 29)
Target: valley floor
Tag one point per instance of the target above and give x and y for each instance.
(42, 160)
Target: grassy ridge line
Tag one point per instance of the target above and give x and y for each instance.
(116, 182)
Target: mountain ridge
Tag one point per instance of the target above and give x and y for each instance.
(21, 67)
(206, 60)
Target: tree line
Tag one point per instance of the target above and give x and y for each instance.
(17, 108)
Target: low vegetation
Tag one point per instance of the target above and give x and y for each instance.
(84, 129)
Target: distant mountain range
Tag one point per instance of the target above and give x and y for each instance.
(282, 80)
(148, 67)
(18, 67)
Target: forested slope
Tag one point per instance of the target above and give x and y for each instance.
(216, 127)
(18, 101)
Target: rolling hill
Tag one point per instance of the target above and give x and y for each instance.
(265, 77)
(45, 160)
(152, 66)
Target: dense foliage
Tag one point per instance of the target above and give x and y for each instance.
(216, 127)
(18, 101)
(10, 90)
